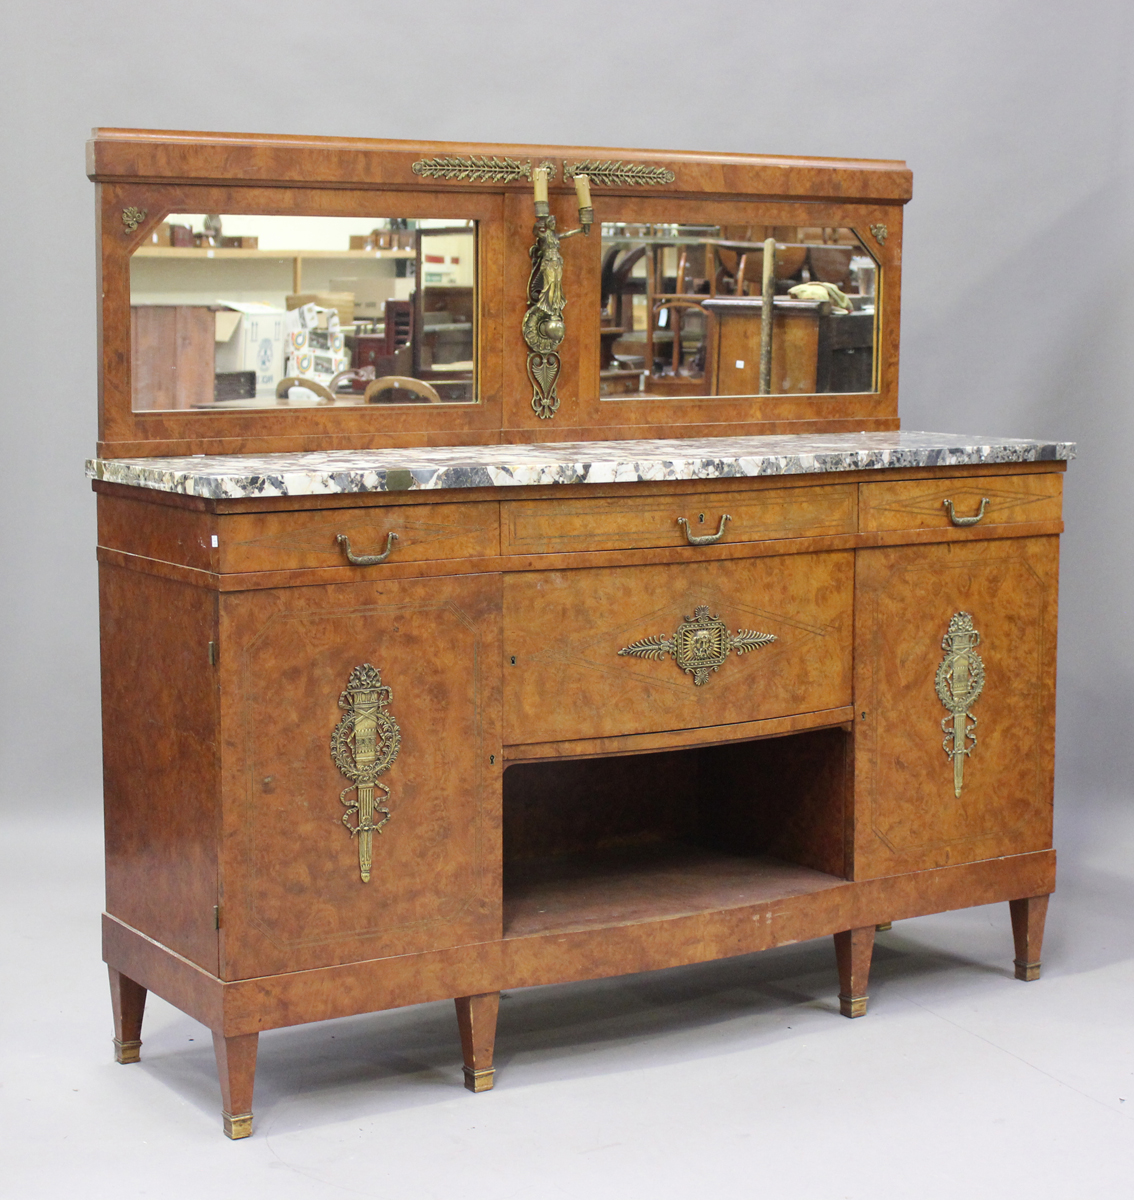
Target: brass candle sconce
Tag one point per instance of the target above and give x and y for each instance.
(543, 322)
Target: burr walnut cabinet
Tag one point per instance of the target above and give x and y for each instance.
(636, 635)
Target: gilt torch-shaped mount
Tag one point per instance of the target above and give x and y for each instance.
(700, 645)
(960, 681)
(364, 745)
(543, 322)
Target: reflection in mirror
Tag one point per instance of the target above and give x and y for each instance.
(245, 311)
(683, 311)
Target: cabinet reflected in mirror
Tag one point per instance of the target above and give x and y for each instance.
(244, 311)
(683, 311)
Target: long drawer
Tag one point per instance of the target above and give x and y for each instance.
(585, 523)
(290, 540)
(954, 503)
(618, 650)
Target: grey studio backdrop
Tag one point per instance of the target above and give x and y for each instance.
(732, 1079)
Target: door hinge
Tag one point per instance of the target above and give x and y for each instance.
(216, 916)
(214, 654)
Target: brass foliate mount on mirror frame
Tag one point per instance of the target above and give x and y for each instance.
(959, 682)
(619, 174)
(364, 745)
(700, 644)
(478, 168)
(132, 217)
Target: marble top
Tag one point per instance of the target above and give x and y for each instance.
(331, 472)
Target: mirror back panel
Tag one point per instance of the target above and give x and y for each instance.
(288, 294)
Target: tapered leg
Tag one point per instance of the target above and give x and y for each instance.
(476, 1018)
(129, 1002)
(853, 949)
(1028, 917)
(236, 1069)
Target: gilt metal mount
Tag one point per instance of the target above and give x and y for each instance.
(960, 680)
(700, 645)
(364, 745)
(881, 233)
(477, 168)
(132, 217)
(619, 174)
(543, 326)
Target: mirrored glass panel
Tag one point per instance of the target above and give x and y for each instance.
(235, 311)
(683, 311)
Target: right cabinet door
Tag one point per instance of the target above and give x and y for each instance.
(955, 702)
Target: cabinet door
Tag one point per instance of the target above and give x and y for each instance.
(955, 736)
(413, 668)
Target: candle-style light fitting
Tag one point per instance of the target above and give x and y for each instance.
(583, 194)
(539, 187)
(543, 322)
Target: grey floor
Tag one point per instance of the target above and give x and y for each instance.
(736, 1078)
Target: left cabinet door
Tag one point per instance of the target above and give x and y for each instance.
(408, 673)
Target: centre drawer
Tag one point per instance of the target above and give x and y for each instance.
(583, 523)
(609, 651)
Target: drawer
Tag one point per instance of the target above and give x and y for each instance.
(279, 541)
(920, 503)
(558, 526)
(620, 650)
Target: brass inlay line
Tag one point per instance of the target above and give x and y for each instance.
(700, 645)
(960, 680)
(364, 745)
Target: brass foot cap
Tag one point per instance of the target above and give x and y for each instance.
(236, 1127)
(1028, 972)
(853, 1006)
(127, 1052)
(480, 1081)
(884, 928)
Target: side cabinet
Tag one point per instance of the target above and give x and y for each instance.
(955, 703)
(345, 706)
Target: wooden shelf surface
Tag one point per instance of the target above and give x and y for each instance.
(652, 883)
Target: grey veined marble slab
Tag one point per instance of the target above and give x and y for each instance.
(333, 472)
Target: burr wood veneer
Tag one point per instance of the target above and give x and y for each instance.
(559, 811)
(732, 696)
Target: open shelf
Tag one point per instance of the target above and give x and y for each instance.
(593, 843)
(648, 884)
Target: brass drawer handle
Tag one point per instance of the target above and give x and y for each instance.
(366, 560)
(709, 538)
(965, 520)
